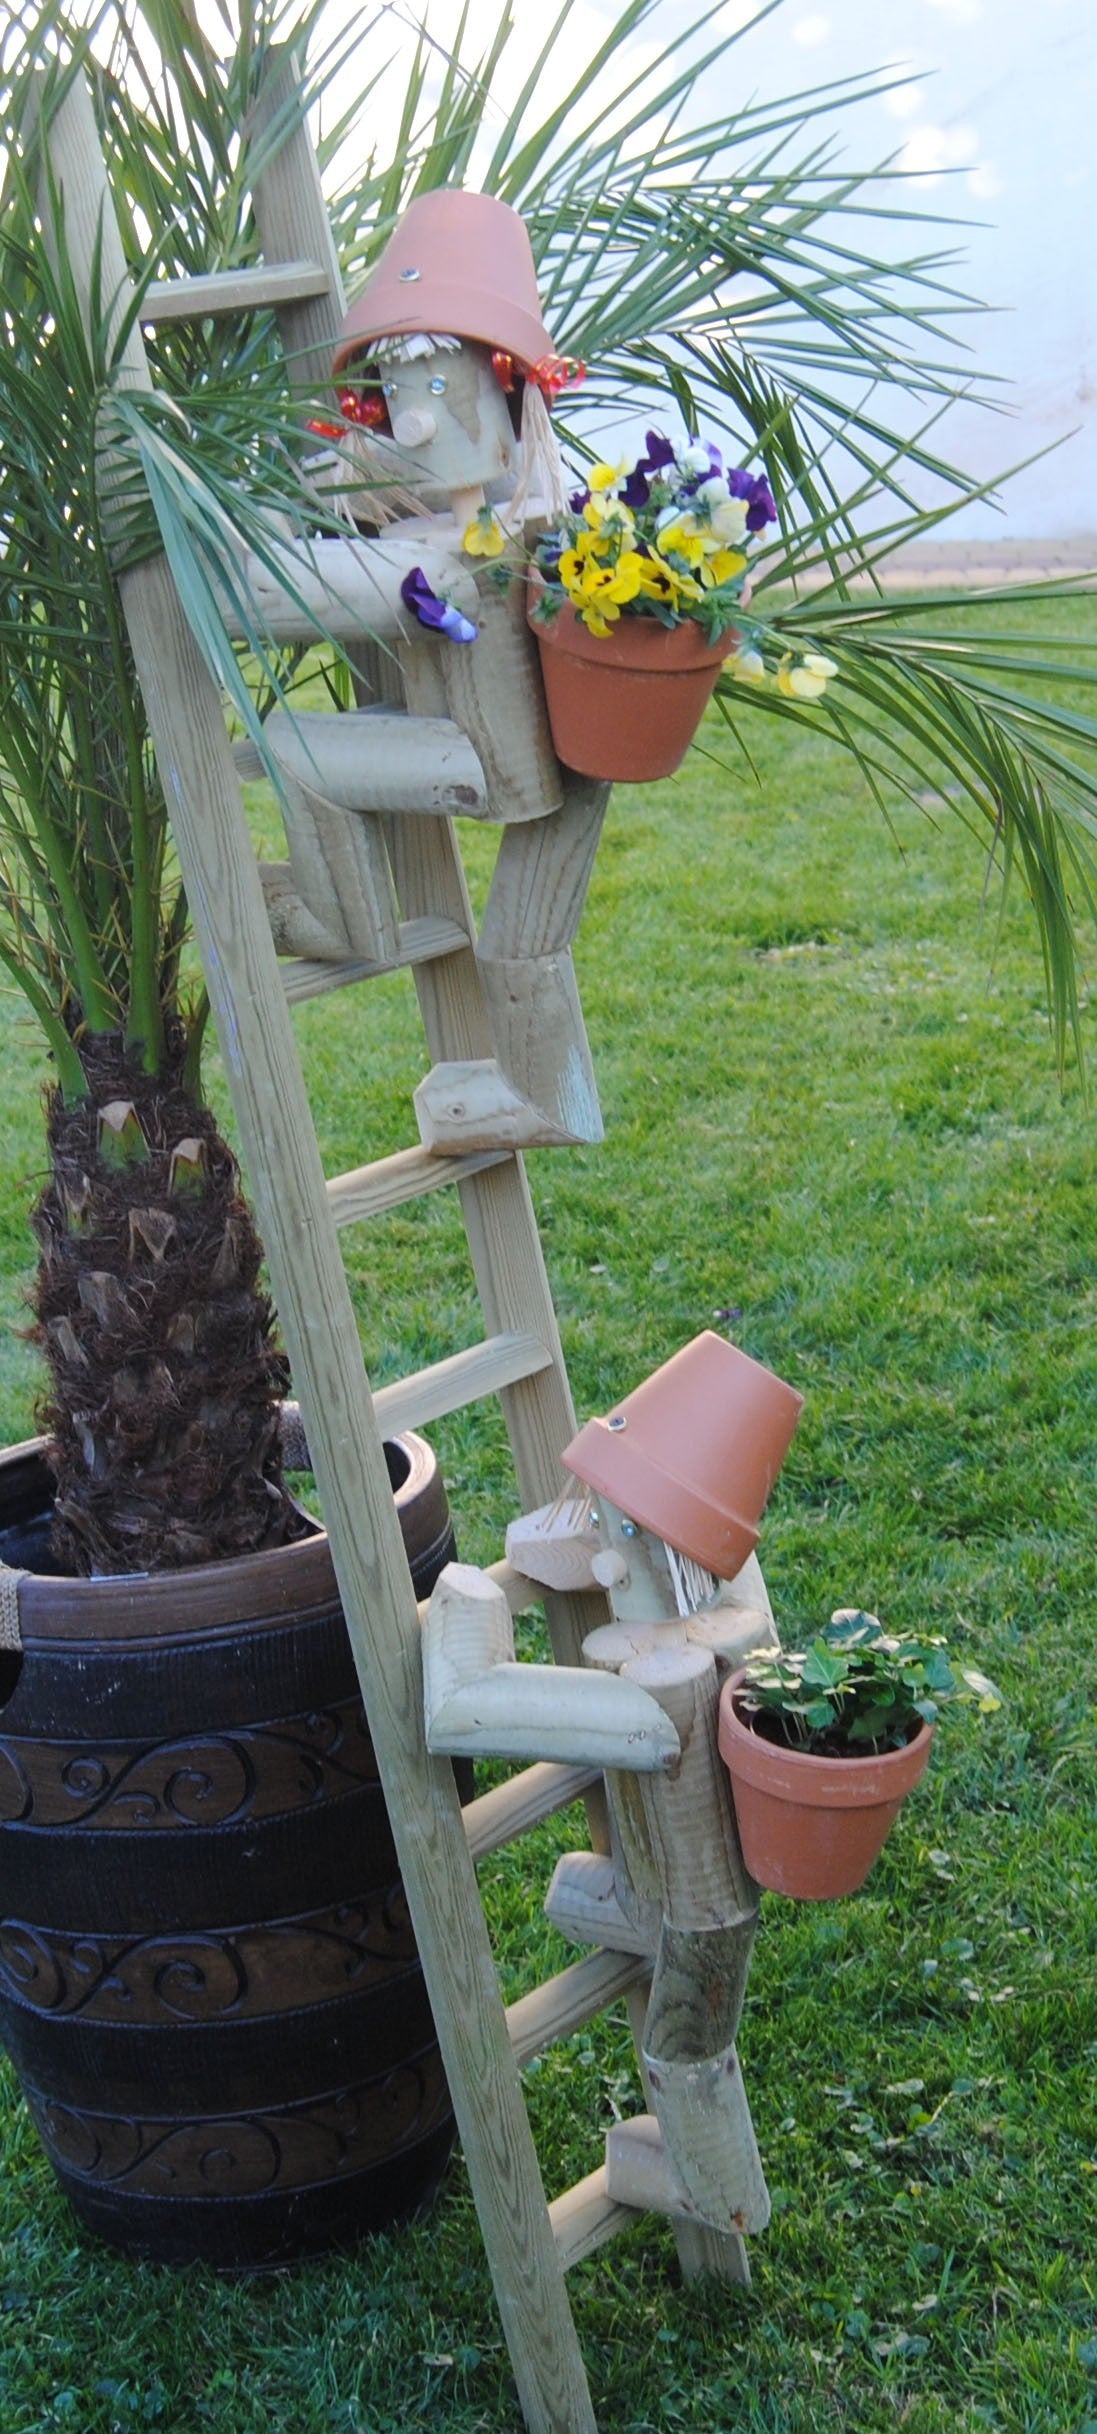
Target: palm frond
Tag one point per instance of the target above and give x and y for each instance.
(720, 270)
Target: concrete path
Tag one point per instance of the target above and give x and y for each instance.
(938, 565)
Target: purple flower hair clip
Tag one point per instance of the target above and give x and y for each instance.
(416, 594)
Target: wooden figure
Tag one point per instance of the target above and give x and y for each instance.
(446, 357)
(680, 1471)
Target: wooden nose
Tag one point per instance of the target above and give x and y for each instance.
(413, 429)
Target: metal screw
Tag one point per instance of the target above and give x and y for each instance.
(437, 386)
(405, 275)
(617, 1420)
(628, 1529)
(388, 388)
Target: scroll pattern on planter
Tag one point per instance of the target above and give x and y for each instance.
(245, 1974)
(291, 2147)
(206, 1780)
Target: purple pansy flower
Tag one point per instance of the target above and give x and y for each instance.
(755, 488)
(416, 594)
(660, 452)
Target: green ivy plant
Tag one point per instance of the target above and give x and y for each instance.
(857, 1689)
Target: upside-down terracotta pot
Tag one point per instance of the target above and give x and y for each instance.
(810, 1826)
(459, 264)
(626, 706)
(693, 1453)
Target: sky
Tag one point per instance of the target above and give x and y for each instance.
(997, 122)
(991, 120)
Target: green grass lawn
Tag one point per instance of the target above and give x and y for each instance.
(834, 1131)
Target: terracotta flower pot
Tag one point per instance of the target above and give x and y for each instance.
(693, 1453)
(812, 1826)
(459, 263)
(626, 706)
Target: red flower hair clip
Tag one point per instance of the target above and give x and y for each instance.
(369, 412)
(556, 372)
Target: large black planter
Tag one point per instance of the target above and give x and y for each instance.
(209, 1986)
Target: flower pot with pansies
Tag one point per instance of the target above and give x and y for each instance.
(633, 603)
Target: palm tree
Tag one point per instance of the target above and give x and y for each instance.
(731, 289)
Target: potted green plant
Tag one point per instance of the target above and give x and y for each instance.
(634, 603)
(823, 1743)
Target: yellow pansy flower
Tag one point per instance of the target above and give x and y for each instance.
(484, 537)
(587, 550)
(805, 678)
(599, 593)
(683, 539)
(719, 567)
(666, 583)
(612, 521)
(725, 564)
(747, 663)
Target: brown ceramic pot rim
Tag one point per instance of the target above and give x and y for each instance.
(275, 1585)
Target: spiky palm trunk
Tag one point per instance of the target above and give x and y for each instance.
(166, 1381)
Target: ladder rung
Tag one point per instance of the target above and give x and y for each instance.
(233, 291)
(573, 1997)
(501, 1360)
(585, 2217)
(389, 1182)
(510, 1810)
(421, 941)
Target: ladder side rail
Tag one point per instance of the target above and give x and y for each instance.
(292, 219)
(287, 1182)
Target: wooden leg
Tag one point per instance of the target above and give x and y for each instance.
(700, 2249)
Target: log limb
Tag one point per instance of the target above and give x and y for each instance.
(479, 1702)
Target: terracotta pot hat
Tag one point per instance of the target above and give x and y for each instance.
(460, 263)
(693, 1453)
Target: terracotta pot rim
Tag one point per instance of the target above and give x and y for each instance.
(635, 642)
(811, 1780)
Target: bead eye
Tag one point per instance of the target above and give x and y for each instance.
(437, 386)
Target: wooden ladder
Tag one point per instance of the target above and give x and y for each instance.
(340, 877)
